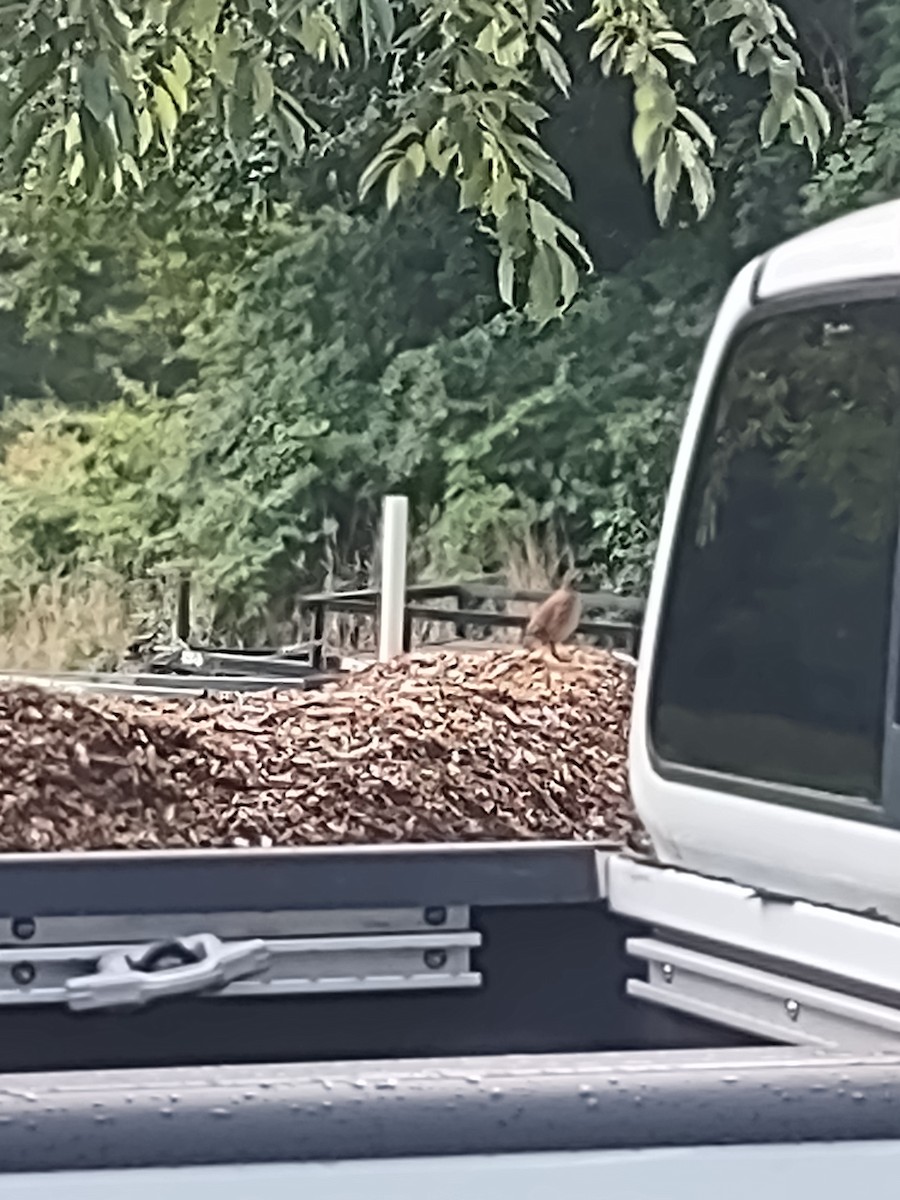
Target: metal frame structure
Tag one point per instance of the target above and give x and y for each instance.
(780, 969)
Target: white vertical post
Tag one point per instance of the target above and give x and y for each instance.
(395, 519)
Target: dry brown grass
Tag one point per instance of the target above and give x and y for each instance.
(537, 563)
(65, 623)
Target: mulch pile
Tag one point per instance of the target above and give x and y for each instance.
(456, 747)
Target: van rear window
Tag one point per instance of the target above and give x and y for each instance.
(775, 631)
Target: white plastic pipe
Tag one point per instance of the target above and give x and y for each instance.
(395, 520)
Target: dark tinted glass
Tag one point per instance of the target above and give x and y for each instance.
(775, 636)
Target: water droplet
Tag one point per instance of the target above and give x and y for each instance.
(165, 1112)
(859, 1095)
(327, 1105)
(591, 1101)
(586, 1089)
(386, 1085)
(496, 1093)
(221, 1112)
(360, 1084)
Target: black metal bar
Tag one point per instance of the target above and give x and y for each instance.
(183, 608)
(478, 591)
(407, 629)
(218, 663)
(422, 590)
(479, 617)
(318, 637)
(600, 599)
(318, 877)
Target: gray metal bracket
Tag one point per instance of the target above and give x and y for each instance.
(236, 955)
(765, 1003)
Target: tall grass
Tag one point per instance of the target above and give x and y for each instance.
(66, 622)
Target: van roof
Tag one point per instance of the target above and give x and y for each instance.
(861, 246)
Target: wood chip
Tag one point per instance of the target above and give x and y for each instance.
(501, 745)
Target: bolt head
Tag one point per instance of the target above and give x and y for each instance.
(23, 973)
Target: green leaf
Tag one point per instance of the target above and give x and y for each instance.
(76, 169)
(206, 15)
(393, 185)
(291, 132)
(665, 179)
(415, 156)
(263, 89)
(53, 164)
(166, 115)
(646, 124)
(238, 119)
(72, 133)
(95, 90)
(36, 73)
(226, 47)
(702, 188)
(117, 24)
(699, 126)
(554, 65)
(437, 155)
(569, 278)
(27, 132)
(543, 222)
(376, 169)
(506, 273)
(550, 173)
(820, 112)
(181, 67)
(175, 88)
(645, 98)
(542, 290)
(770, 122)
(145, 131)
(124, 123)
(680, 52)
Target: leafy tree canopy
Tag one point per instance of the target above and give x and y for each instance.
(93, 92)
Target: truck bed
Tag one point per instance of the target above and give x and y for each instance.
(552, 958)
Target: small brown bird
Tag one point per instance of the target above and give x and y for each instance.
(554, 620)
